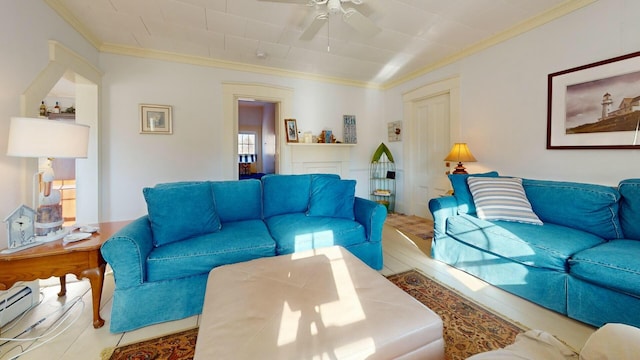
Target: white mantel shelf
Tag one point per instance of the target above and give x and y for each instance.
(320, 144)
(333, 158)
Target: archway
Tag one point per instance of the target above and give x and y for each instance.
(63, 62)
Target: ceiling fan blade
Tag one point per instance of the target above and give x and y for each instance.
(361, 23)
(314, 27)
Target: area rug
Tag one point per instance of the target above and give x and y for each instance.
(411, 224)
(178, 346)
(468, 327)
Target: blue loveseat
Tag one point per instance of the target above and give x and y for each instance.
(161, 261)
(583, 261)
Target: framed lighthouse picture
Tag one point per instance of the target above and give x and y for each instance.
(595, 106)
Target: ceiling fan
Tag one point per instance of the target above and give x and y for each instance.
(351, 16)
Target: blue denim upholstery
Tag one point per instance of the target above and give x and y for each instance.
(332, 197)
(180, 212)
(299, 232)
(167, 282)
(588, 207)
(630, 208)
(582, 262)
(536, 246)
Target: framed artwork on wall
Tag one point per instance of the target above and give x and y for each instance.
(350, 135)
(292, 130)
(595, 106)
(155, 119)
(394, 130)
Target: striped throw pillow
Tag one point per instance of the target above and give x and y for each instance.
(501, 199)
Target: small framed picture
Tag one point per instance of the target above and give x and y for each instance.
(292, 130)
(155, 119)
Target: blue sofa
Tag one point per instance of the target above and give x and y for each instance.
(161, 261)
(583, 261)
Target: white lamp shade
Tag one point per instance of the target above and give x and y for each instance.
(29, 137)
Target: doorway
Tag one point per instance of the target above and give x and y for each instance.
(257, 140)
(281, 97)
(432, 121)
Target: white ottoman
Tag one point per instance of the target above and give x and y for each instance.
(318, 304)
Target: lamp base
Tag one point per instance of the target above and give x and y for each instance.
(460, 169)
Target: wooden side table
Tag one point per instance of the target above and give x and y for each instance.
(81, 258)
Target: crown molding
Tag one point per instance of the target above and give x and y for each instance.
(229, 65)
(524, 26)
(67, 16)
(559, 11)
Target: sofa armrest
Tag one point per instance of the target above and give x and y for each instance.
(441, 208)
(127, 251)
(372, 216)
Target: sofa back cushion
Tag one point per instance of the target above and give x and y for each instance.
(286, 194)
(461, 191)
(179, 211)
(332, 197)
(588, 207)
(630, 208)
(238, 200)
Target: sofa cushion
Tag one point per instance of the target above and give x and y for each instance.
(237, 241)
(332, 197)
(543, 246)
(613, 265)
(461, 191)
(501, 199)
(285, 194)
(238, 200)
(180, 211)
(630, 208)
(588, 207)
(296, 232)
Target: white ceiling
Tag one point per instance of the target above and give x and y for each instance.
(415, 34)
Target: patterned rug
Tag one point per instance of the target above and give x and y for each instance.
(411, 224)
(468, 328)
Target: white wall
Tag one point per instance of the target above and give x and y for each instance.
(504, 96)
(25, 29)
(132, 161)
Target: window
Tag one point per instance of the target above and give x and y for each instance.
(246, 144)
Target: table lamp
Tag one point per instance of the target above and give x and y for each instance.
(459, 153)
(42, 138)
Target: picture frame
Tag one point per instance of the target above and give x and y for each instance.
(350, 133)
(394, 131)
(595, 106)
(291, 129)
(156, 119)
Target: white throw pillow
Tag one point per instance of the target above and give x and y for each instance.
(501, 199)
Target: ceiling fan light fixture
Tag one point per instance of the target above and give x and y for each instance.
(334, 6)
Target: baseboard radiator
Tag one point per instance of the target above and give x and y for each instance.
(17, 300)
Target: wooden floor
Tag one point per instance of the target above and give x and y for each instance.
(78, 339)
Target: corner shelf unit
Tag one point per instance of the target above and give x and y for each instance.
(382, 178)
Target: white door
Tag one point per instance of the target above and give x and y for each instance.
(430, 146)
